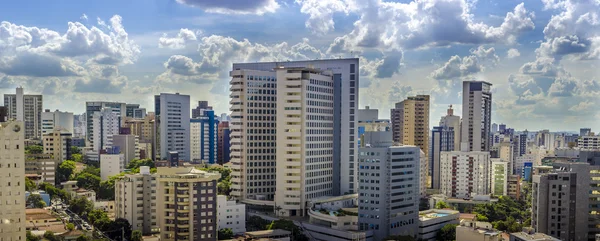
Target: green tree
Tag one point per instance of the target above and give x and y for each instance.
(225, 233)
(91, 170)
(53, 191)
(255, 223)
(441, 205)
(96, 215)
(136, 235)
(107, 190)
(118, 224)
(65, 170)
(481, 218)
(49, 235)
(88, 181)
(34, 149)
(289, 226)
(36, 201)
(75, 150)
(30, 185)
(83, 237)
(136, 163)
(70, 226)
(400, 238)
(31, 237)
(81, 206)
(78, 158)
(447, 233)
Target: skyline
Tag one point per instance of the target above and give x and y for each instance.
(540, 56)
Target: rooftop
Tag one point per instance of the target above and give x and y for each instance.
(534, 236)
(435, 213)
(268, 233)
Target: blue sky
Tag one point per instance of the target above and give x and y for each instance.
(541, 55)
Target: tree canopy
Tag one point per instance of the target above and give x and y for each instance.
(36, 201)
(34, 149)
(136, 163)
(506, 214)
(224, 185)
(225, 234)
(447, 233)
(136, 235)
(441, 205)
(255, 223)
(65, 170)
(289, 226)
(81, 206)
(30, 185)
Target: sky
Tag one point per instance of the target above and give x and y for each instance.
(542, 56)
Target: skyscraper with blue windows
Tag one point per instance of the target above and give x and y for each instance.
(204, 137)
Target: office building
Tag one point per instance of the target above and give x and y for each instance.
(79, 126)
(106, 123)
(57, 120)
(223, 142)
(522, 140)
(464, 174)
(388, 186)
(231, 214)
(588, 143)
(173, 125)
(135, 200)
(304, 151)
(368, 120)
(494, 128)
(514, 186)
(26, 108)
(477, 115)
(257, 78)
(442, 140)
(410, 122)
(433, 220)
(204, 137)
(145, 131)
(12, 178)
(3, 114)
(560, 202)
(120, 109)
(186, 203)
(499, 178)
(129, 145)
(134, 111)
(58, 144)
(42, 166)
(198, 111)
(451, 121)
(585, 131)
(112, 162)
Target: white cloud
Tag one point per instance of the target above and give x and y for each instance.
(183, 37)
(320, 20)
(583, 106)
(84, 17)
(457, 67)
(513, 53)
(258, 7)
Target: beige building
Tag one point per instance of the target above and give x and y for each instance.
(476, 231)
(41, 165)
(305, 138)
(135, 200)
(186, 204)
(410, 122)
(514, 186)
(58, 145)
(464, 174)
(12, 181)
(143, 128)
(499, 177)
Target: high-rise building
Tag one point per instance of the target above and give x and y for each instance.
(134, 111)
(304, 150)
(506, 153)
(42, 165)
(442, 139)
(129, 145)
(79, 126)
(499, 177)
(588, 143)
(452, 121)
(260, 86)
(12, 177)
(26, 108)
(62, 121)
(97, 106)
(198, 111)
(173, 125)
(204, 137)
(464, 173)
(585, 131)
(368, 120)
(186, 203)
(410, 122)
(135, 200)
(514, 186)
(477, 115)
(3, 114)
(388, 194)
(494, 128)
(223, 142)
(560, 202)
(502, 128)
(112, 162)
(522, 140)
(105, 123)
(58, 144)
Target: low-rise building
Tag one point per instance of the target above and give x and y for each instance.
(431, 221)
(531, 236)
(514, 186)
(476, 231)
(45, 196)
(42, 165)
(74, 191)
(231, 214)
(106, 206)
(339, 213)
(111, 164)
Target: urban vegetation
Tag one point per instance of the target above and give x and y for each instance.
(224, 234)
(506, 214)
(224, 185)
(447, 233)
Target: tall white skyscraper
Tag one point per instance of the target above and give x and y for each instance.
(477, 115)
(304, 138)
(26, 108)
(62, 121)
(97, 106)
(345, 102)
(12, 177)
(173, 122)
(105, 124)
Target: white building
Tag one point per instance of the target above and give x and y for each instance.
(464, 174)
(431, 221)
(452, 121)
(305, 134)
(345, 104)
(93, 107)
(204, 137)
(588, 143)
(477, 115)
(106, 122)
(499, 177)
(111, 164)
(57, 120)
(135, 200)
(423, 177)
(25, 108)
(231, 214)
(173, 121)
(12, 179)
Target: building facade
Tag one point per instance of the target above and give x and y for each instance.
(477, 115)
(58, 144)
(28, 109)
(410, 122)
(12, 177)
(42, 165)
(173, 125)
(204, 138)
(223, 142)
(499, 177)
(62, 121)
(388, 196)
(231, 214)
(186, 203)
(464, 174)
(106, 123)
(134, 111)
(442, 139)
(129, 145)
(198, 111)
(97, 106)
(588, 143)
(111, 164)
(135, 200)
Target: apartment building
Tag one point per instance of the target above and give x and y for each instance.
(223, 142)
(12, 179)
(112, 162)
(231, 214)
(91, 107)
(135, 200)
(464, 174)
(410, 122)
(588, 143)
(129, 145)
(499, 177)
(442, 139)
(62, 121)
(105, 123)
(28, 109)
(134, 111)
(477, 115)
(43, 166)
(57, 144)
(204, 137)
(186, 204)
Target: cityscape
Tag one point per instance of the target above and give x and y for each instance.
(326, 120)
